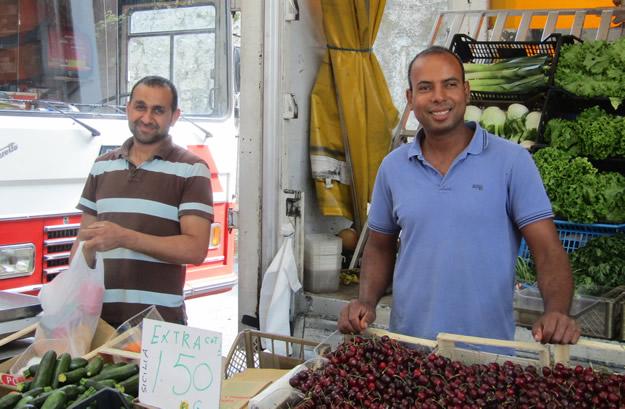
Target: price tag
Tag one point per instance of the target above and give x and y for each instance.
(180, 366)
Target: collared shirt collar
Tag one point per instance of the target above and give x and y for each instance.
(162, 153)
(478, 144)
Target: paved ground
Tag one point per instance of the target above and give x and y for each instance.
(216, 313)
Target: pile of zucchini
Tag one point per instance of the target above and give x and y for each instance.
(65, 382)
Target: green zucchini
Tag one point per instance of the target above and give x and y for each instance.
(31, 371)
(24, 386)
(72, 390)
(77, 362)
(23, 402)
(39, 400)
(118, 374)
(45, 370)
(55, 401)
(84, 395)
(10, 400)
(95, 366)
(62, 365)
(72, 376)
(105, 383)
(34, 392)
(130, 385)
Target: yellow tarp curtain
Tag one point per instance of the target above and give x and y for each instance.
(352, 113)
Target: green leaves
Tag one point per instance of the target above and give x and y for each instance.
(600, 264)
(594, 134)
(577, 191)
(592, 68)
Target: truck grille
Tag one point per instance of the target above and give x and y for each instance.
(56, 248)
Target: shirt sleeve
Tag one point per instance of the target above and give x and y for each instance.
(528, 199)
(87, 202)
(197, 197)
(381, 215)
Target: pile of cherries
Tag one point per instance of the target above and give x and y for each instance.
(382, 373)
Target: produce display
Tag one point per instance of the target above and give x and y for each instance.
(382, 373)
(578, 192)
(63, 382)
(516, 124)
(519, 75)
(593, 69)
(594, 134)
(597, 266)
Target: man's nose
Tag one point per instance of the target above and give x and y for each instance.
(438, 93)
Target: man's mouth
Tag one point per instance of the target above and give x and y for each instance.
(439, 113)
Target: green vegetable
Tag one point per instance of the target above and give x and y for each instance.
(105, 383)
(72, 376)
(23, 402)
(525, 272)
(594, 134)
(577, 191)
(516, 111)
(118, 374)
(24, 386)
(493, 120)
(600, 264)
(31, 371)
(472, 113)
(46, 370)
(85, 395)
(95, 366)
(10, 400)
(62, 365)
(77, 362)
(532, 121)
(130, 385)
(593, 69)
(55, 401)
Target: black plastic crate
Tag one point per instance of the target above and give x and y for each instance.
(486, 52)
(563, 104)
(105, 398)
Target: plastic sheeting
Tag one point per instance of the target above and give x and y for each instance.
(352, 113)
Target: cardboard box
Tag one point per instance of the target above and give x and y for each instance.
(237, 391)
(20, 63)
(8, 381)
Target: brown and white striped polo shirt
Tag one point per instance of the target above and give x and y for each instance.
(151, 199)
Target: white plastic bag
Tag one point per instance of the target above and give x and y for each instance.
(279, 283)
(72, 304)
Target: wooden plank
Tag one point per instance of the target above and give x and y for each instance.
(19, 334)
(121, 353)
(403, 338)
(454, 29)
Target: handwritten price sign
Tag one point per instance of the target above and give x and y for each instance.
(180, 366)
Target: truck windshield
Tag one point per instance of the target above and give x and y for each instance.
(83, 55)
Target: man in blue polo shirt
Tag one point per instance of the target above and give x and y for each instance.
(461, 198)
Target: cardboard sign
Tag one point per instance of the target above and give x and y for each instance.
(180, 366)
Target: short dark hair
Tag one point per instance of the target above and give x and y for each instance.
(435, 49)
(158, 81)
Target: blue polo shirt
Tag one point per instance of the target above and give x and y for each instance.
(459, 234)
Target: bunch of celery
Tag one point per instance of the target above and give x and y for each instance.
(522, 74)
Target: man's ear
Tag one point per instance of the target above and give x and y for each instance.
(467, 92)
(409, 96)
(175, 116)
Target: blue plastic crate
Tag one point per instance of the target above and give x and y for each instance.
(576, 235)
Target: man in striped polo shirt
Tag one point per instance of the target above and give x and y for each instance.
(147, 206)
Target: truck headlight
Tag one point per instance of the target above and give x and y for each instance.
(215, 238)
(17, 260)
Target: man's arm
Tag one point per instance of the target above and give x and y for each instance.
(189, 247)
(555, 282)
(378, 261)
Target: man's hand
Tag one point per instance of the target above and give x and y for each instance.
(102, 236)
(556, 328)
(355, 317)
